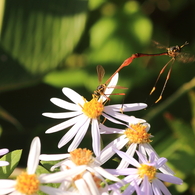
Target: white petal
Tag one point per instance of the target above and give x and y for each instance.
(64, 125)
(53, 191)
(82, 187)
(71, 133)
(33, 157)
(130, 152)
(7, 183)
(7, 191)
(112, 119)
(64, 104)
(106, 174)
(53, 157)
(3, 163)
(73, 96)
(62, 115)
(58, 177)
(95, 133)
(108, 130)
(80, 135)
(110, 87)
(127, 107)
(108, 151)
(90, 183)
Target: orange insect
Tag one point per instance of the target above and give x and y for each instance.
(174, 52)
(100, 91)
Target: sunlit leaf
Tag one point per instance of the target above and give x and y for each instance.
(36, 37)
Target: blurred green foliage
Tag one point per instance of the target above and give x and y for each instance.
(47, 45)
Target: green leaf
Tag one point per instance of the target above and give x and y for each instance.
(37, 36)
(13, 158)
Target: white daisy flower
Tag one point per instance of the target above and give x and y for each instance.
(29, 183)
(89, 181)
(146, 175)
(134, 137)
(3, 152)
(84, 113)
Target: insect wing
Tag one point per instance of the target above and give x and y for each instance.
(185, 58)
(100, 73)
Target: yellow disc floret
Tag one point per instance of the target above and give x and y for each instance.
(137, 134)
(146, 170)
(27, 184)
(81, 156)
(93, 109)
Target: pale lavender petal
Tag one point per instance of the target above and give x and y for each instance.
(152, 158)
(160, 162)
(130, 152)
(108, 151)
(62, 115)
(130, 189)
(95, 133)
(143, 159)
(129, 159)
(159, 185)
(79, 136)
(146, 187)
(155, 188)
(73, 96)
(126, 171)
(64, 104)
(169, 178)
(3, 151)
(71, 133)
(64, 125)
(133, 177)
(33, 157)
(164, 168)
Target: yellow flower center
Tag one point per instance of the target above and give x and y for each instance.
(93, 109)
(81, 156)
(27, 184)
(137, 134)
(146, 170)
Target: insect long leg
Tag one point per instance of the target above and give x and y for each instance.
(162, 70)
(167, 78)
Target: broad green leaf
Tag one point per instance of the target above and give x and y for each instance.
(36, 37)
(13, 159)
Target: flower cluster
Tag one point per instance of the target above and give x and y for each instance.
(141, 170)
